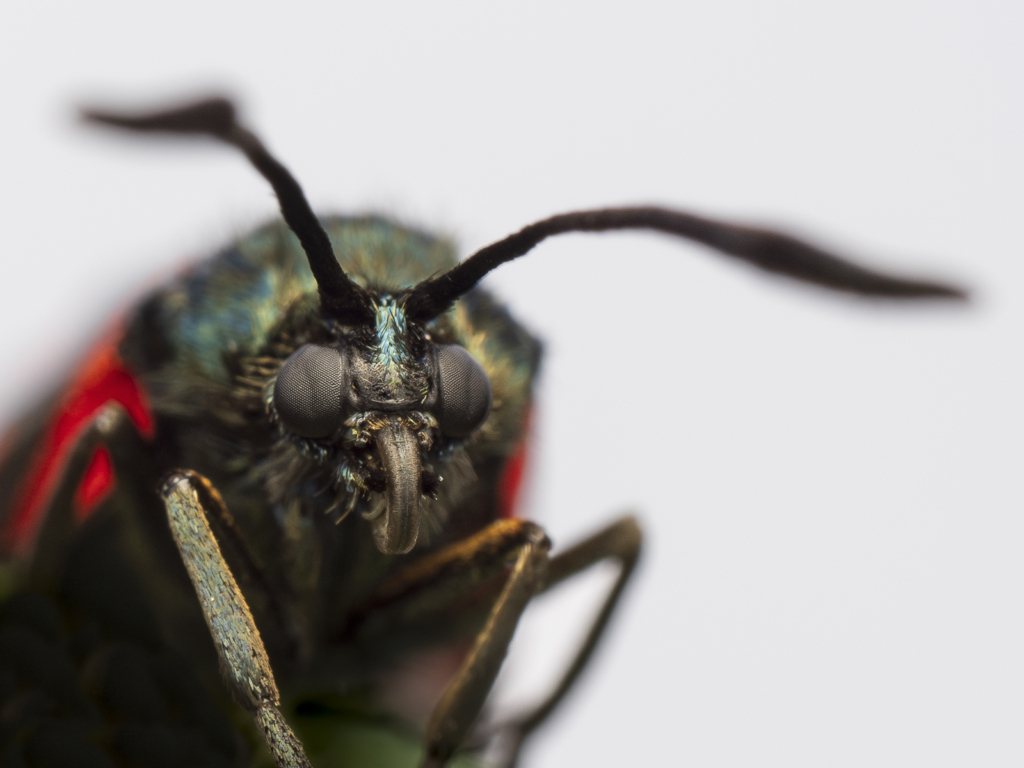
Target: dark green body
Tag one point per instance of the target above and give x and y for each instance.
(205, 349)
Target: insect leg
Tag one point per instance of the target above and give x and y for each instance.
(619, 541)
(243, 659)
(485, 581)
(463, 699)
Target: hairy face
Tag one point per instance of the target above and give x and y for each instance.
(380, 400)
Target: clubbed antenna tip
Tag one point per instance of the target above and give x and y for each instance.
(764, 248)
(214, 116)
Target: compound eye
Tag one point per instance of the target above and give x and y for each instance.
(464, 391)
(309, 391)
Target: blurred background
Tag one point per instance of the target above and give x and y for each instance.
(830, 488)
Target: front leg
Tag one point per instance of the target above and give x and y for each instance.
(532, 572)
(620, 542)
(491, 575)
(243, 659)
(463, 699)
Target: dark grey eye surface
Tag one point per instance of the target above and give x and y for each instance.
(464, 391)
(309, 391)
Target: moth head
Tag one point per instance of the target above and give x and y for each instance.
(384, 401)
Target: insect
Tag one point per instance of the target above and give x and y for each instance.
(285, 484)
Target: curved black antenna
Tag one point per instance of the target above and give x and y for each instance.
(340, 298)
(771, 251)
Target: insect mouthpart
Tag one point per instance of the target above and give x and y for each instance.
(396, 523)
(380, 461)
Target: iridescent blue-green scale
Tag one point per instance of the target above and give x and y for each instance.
(390, 355)
(229, 305)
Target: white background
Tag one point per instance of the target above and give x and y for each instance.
(834, 573)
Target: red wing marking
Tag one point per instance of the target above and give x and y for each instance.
(97, 482)
(101, 380)
(511, 481)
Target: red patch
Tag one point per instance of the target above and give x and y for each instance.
(97, 482)
(511, 481)
(101, 380)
